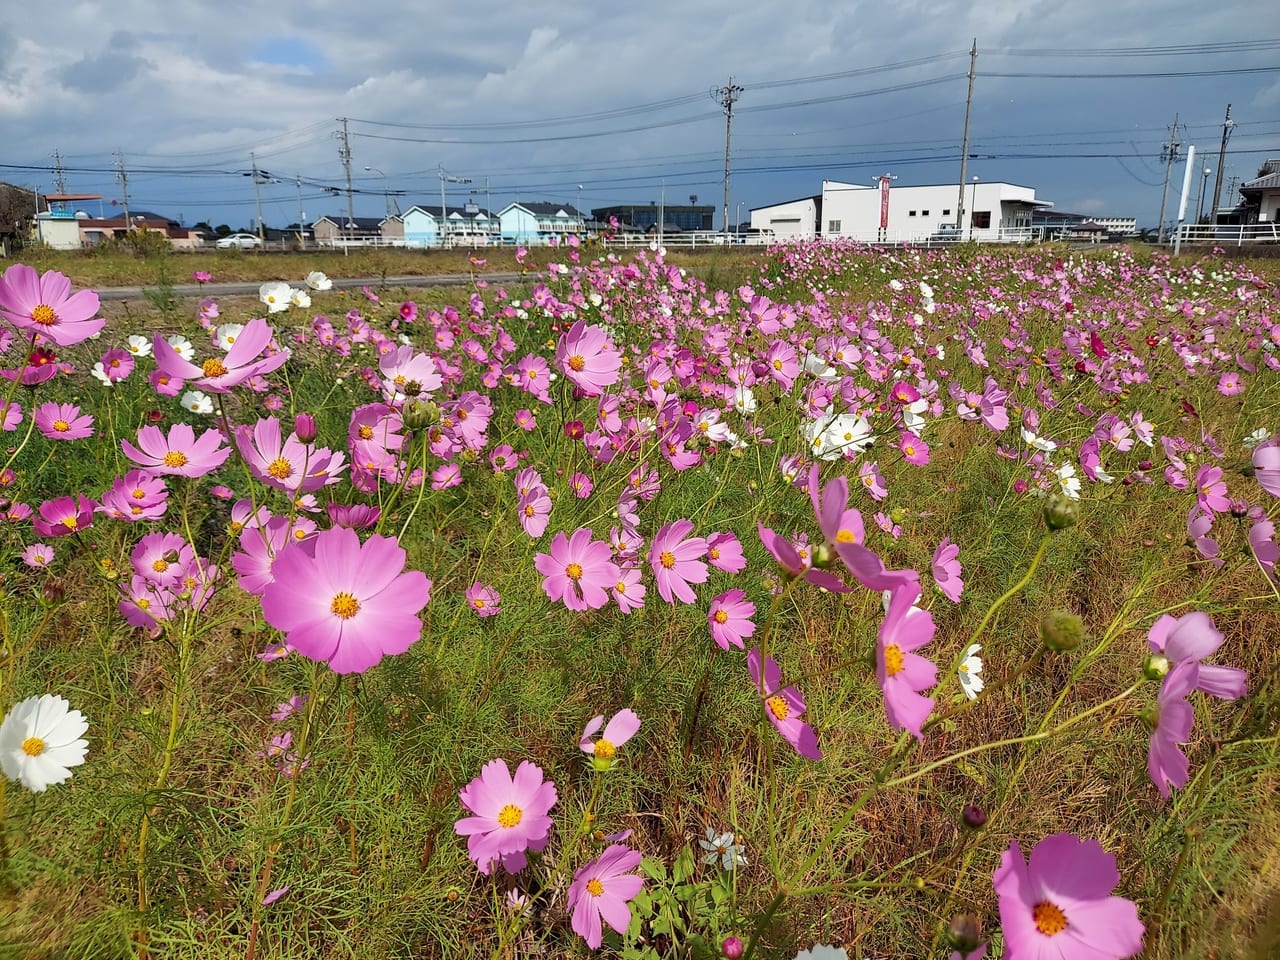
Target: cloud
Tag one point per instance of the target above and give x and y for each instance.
(105, 73)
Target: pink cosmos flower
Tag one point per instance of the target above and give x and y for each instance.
(1262, 540)
(946, 570)
(622, 726)
(1211, 489)
(46, 306)
(534, 511)
(793, 566)
(676, 559)
(220, 374)
(408, 374)
(784, 707)
(1173, 716)
(904, 393)
(578, 570)
(1230, 384)
(587, 358)
(259, 547)
(1199, 523)
(63, 421)
(116, 365)
(1266, 468)
(600, 892)
(510, 815)
(525, 419)
(842, 529)
(37, 556)
(180, 453)
(629, 592)
(1060, 906)
(64, 516)
(287, 464)
(1194, 637)
(483, 600)
(869, 476)
(357, 516)
(724, 552)
(901, 673)
(730, 619)
(914, 450)
(346, 603)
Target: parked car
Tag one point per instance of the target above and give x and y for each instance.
(241, 241)
(946, 233)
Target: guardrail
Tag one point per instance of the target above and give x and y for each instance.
(1235, 234)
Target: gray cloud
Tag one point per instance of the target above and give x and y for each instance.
(105, 73)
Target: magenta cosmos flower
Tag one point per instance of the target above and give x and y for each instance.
(1194, 637)
(901, 673)
(946, 570)
(783, 706)
(287, 463)
(46, 305)
(1173, 717)
(1059, 907)
(64, 516)
(588, 359)
(220, 374)
(1266, 467)
(730, 619)
(843, 531)
(578, 570)
(622, 726)
(600, 892)
(677, 561)
(63, 421)
(180, 453)
(345, 603)
(510, 815)
(793, 565)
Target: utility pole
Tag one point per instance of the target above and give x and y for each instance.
(59, 179)
(1227, 126)
(344, 154)
(123, 176)
(964, 143)
(662, 209)
(1169, 154)
(302, 214)
(1204, 180)
(727, 96)
(257, 194)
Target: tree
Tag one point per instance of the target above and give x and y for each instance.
(17, 209)
(222, 230)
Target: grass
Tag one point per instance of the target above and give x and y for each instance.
(370, 858)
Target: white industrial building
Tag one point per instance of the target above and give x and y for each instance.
(999, 212)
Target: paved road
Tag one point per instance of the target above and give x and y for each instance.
(251, 289)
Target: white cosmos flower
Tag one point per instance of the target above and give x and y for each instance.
(1255, 438)
(226, 334)
(1039, 443)
(300, 298)
(818, 366)
(40, 741)
(821, 951)
(197, 402)
(138, 345)
(276, 295)
(182, 346)
(913, 416)
(100, 374)
(1068, 481)
(926, 291)
(318, 281)
(831, 437)
(970, 672)
(744, 401)
(721, 847)
(895, 285)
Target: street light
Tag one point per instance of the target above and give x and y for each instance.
(1204, 179)
(444, 219)
(973, 206)
(386, 188)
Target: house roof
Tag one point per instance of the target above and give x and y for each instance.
(433, 210)
(782, 203)
(1270, 182)
(359, 223)
(545, 209)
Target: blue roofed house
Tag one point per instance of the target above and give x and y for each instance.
(467, 226)
(533, 224)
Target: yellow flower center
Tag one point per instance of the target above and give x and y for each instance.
(175, 458)
(720, 617)
(778, 707)
(576, 363)
(366, 433)
(1049, 918)
(33, 746)
(777, 364)
(528, 510)
(621, 587)
(714, 553)
(668, 559)
(894, 661)
(142, 603)
(478, 603)
(160, 565)
(595, 887)
(280, 468)
(213, 367)
(845, 536)
(44, 315)
(510, 815)
(909, 450)
(61, 426)
(70, 523)
(138, 493)
(573, 571)
(604, 749)
(345, 606)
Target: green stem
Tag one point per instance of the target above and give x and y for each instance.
(1016, 588)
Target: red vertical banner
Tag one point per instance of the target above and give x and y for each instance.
(884, 203)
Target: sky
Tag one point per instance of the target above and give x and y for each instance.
(592, 104)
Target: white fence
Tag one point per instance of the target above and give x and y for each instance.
(1233, 234)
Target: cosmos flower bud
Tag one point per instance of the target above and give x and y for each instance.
(54, 590)
(154, 416)
(5, 504)
(418, 414)
(1061, 631)
(975, 818)
(824, 556)
(1150, 716)
(732, 948)
(304, 425)
(573, 429)
(1155, 666)
(1061, 512)
(964, 933)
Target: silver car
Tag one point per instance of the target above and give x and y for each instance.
(241, 241)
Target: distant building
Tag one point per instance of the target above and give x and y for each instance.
(1262, 194)
(533, 224)
(791, 219)
(644, 216)
(466, 226)
(58, 227)
(1059, 222)
(329, 230)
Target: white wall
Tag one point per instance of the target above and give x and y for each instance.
(59, 233)
(796, 219)
(915, 213)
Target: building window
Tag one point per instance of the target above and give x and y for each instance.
(981, 220)
(946, 213)
(911, 214)
(833, 226)
(924, 213)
